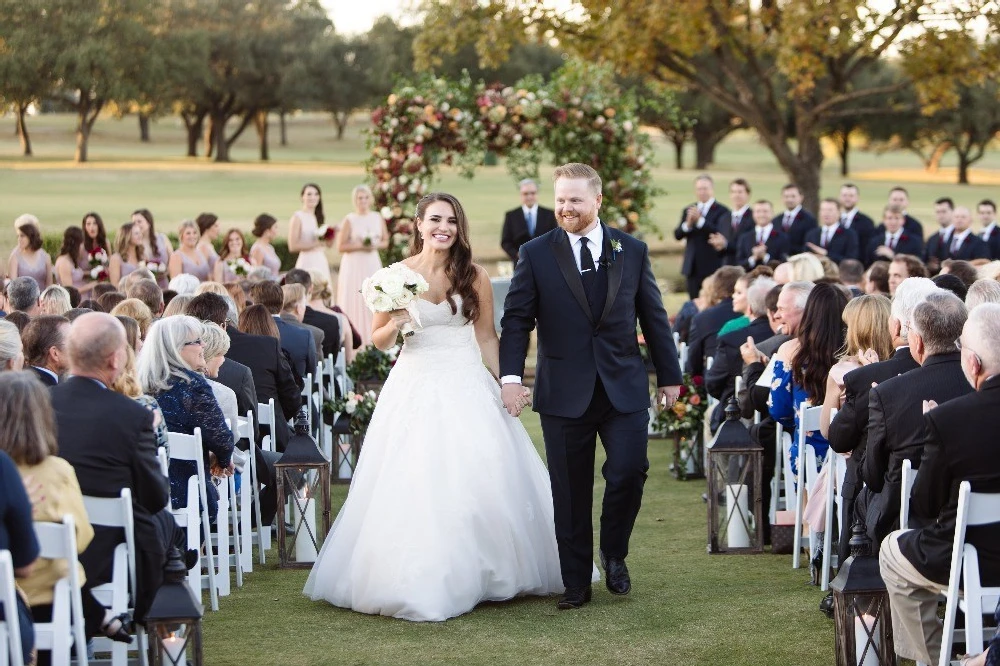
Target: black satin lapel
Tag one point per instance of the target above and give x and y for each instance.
(614, 274)
(564, 258)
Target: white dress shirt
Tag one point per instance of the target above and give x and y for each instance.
(847, 217)
(985, 235)
(826, 234)
(532, 214)
(702, 209)
(761, 234)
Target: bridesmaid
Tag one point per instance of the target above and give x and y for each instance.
(188, 259)
(28, 258)
(235, 247)
(94, 235)
(129, 252)
(265, 229)
(156, 245)
(302, 232)
(209, 226)
(362, 234)
(68, 271)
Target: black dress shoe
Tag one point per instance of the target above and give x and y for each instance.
(616, 575)
(826, 605)
(574, 597)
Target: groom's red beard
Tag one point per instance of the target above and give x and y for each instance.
(577, 223)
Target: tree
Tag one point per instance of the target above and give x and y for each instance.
(816, 51)
(27, 58)
(661, 107)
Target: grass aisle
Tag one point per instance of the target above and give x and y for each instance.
(685, 608)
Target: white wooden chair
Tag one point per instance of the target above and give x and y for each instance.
(161, 455)
(65, 630)
(973, 599)
(265, 416)
(10, 628)
(806, 463)
(117, 512)
(189, 447)
(306, 393)
(909, 476)
(834, 503)
(780, 482)
(249, 499)
(682, 355)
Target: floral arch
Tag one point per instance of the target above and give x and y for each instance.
(579, 116)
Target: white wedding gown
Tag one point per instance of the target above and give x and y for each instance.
(450, 504)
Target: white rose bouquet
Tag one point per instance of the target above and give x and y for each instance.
(157, 269)
(239, 266)
(395, 287)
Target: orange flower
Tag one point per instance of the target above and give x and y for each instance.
(695, 399)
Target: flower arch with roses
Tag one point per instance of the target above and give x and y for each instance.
(581, 115)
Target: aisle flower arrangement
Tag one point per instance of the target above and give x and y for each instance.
(686, 416)
(358, 406)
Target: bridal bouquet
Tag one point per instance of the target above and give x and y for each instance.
(157, 269)
(395, 287)
(97, 260)
(239, 266)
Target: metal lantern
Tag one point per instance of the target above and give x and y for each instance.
(861, 608)
(734, 488)
(303, 481)
(173, 622)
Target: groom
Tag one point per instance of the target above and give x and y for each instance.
(584, 285)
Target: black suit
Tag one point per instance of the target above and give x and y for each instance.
(590, 378)
(776, 243)
(905, 244)
(732, 227)
(330, 326)
(109, 441)
(843, 244)
(720, 379)
(700, 258)
(48, 380)
(704, 333)
(272, 376)
(959, 445)
(937, 247)
(299, 344)
(238, 377)
(992, 241)
(895, 433)
(849, 429)
(797, 230)
(515, 229)
(864, 227)
(973, 247)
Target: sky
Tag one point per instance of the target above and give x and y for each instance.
(357, 16)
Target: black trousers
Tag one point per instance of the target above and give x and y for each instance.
(570, 447)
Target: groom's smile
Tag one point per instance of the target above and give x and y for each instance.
(576, 205)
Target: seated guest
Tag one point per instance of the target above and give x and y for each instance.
(706, 324)
(93, 306)
(147, 291)
(74, 296)
(54, 301)
(687, 312)
(895, 425)
(109, 441)
(238, 295)
(321, 301)
(905, 266)
(852, 274)
(982, 291)
(213, 288)
(238, 377)
(296, 341)
(740, 302)
(764, 243)
(11, 348)
(961, 269)
(128, 385)
(831, 239)
(102, 288)
(951, 283)
(893, 239)
(22, 295)
(27, 435)
(76, 312)
(168, 370)
(111, 299)
(177, 305)
(806, 267)
(19, 319)
(131, 327)
(877, 278)
(137, 310)
(958, 446)
(17, 535)
(184, 284)
(323, 319)
(293, 311)
(988, 271)
(216, 344)
(44, 340)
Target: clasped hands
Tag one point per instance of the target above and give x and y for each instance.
(215, 469)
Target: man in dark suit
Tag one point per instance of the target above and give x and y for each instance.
(893, 239)
(527, 221)
(586, 286)
(831, 240)
(725, 239)
(706, 324)
(895, 426)
(987, 210)
(852, 218)
(293, 311)
(965, 244)
(763, 242)
(109, 440)
(938, 245)
(298, 343)
(328, 323)
(900, 198)
(795, 221)
(44, 341)
(958, 445)
(698, 222)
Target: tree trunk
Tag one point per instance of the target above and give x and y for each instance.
(704, 147)
(340, 120)
(86, 116)
(283, 125)
(194, 124)
(934, 161)
(260, 123)
(678, 152)
(144, 128)
(211, 136)
(217, 133)
(22, 130)
(843, 140)
(963, 169)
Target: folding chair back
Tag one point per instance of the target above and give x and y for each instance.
(10, 628)
(58, 541)
(909, 477)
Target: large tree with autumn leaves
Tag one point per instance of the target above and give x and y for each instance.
(789, 69)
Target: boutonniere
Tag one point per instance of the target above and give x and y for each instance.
(616, 248)
(902, 238)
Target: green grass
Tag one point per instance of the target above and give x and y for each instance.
(686, 607)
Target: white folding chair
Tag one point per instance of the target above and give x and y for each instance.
(189, 448)
(161, 455)
(65, 630)
(834, 502)
(677, 340)
(249, 496)
(265, 416)
(306, 393)
(10, 628)
(117, 512)
(682, 355)
(973, 509)
(779, 491)
(909, 476)
(808, 421)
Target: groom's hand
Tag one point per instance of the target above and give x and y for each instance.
(666, 396)
(514, 398)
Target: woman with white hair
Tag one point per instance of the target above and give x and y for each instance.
(982, 291)
(184, 284)
(362, 234)
(169, 365)
(28, 258)
(54, 301)
(11, 350)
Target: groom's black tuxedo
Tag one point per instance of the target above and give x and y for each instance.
(590, 379)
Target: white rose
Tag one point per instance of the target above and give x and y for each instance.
(386, 212)
(403, 299)
(392, 284)
(371, 394)
(95, 272)
(380, 303)
(350, 407)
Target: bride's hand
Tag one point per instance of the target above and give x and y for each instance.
(400, 317)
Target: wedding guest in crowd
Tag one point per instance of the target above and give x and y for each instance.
(795, 221)
(323, 319)
(168, 370)
(982, 291)
(877, 278)
(102, 288)
(208, 230)
(90, 305)
(188, 258)
(705, 326)
(22, 295)
(303, 231)
(293, 310)
(74, 296)
(53, 301)
(128, 385)
(852, 275)
(891, 238)
(142, 273)
(698, 221)
(149, 293)
(177, 305)
(852, 218)
(262, 253)
(297, 342)
(362, 234)
(137, 310)
(19, 319)
(45, 339)
(28, 259)
(527, 221)
(183, 284)
(905, 266)
(806, 267)
(763, 242)
(958, 446)
(11, 349)
(961, 269)
(157, 247)
(110, 300)
(129, 253)
(216, 344)
(132, 337)
(69, 271)
(94, 237)
(831, 239)
(322, 296)
(259, 274)
(17, 535)
(951, 283)
(233, 248)
(939, 244)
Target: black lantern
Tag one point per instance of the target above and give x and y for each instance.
(303, 482)
(861, 608)
(734, 488)
(174, 618)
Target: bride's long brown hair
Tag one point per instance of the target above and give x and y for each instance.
(460, 270)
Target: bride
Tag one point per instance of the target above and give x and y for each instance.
(450, 504)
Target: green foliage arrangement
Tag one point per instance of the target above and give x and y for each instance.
(688, 413)
(372, 364)
(359, 406)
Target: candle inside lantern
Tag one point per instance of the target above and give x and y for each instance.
(305, 548)
(862, 641)
(173, 647)
(736, 512)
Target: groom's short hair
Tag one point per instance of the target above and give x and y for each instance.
(577, 170)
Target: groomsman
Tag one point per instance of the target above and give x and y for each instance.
(900, 198)
(698, 222)
(795, 221)
(831, 239)
(893, 239)
(527, 221)
(852, 218)
(763, 243)
(937, 246)
(740, 220)
(965, 245)
(990, 233)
